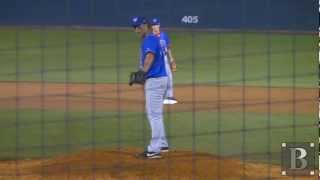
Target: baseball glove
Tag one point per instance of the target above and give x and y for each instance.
(137, 77)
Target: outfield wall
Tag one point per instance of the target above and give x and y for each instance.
(299, 15)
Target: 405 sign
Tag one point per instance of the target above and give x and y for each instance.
(190, 19)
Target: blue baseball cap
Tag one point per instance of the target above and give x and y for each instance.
(138, 21)
(155, 21)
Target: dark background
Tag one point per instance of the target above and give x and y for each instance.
(296, 15)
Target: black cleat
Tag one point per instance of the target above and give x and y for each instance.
(150, 155)
(164, 149)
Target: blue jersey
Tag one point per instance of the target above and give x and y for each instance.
(164, 42)
(150, 44)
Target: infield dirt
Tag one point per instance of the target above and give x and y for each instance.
(123, 164)
(111, 97)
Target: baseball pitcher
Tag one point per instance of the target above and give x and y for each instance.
(154, 77)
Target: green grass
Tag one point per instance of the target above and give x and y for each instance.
(56, 132)
(238, 56)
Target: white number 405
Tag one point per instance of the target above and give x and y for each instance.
(190, 19)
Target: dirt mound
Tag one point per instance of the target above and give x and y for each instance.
(115, 97)
(124, 164)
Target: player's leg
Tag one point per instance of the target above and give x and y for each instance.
(154, 92)
(169, 97)
(169, 92)
(163, 139)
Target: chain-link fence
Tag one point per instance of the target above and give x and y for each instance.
(246, 82)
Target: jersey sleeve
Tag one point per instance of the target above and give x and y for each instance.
(150, 45)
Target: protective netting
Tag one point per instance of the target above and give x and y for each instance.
(246, 82)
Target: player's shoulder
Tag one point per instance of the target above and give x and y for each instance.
(162, 33)
(151, 37)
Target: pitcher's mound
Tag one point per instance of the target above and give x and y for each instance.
(125, 164)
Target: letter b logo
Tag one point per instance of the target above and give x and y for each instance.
(298, 155)
(298, 158)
